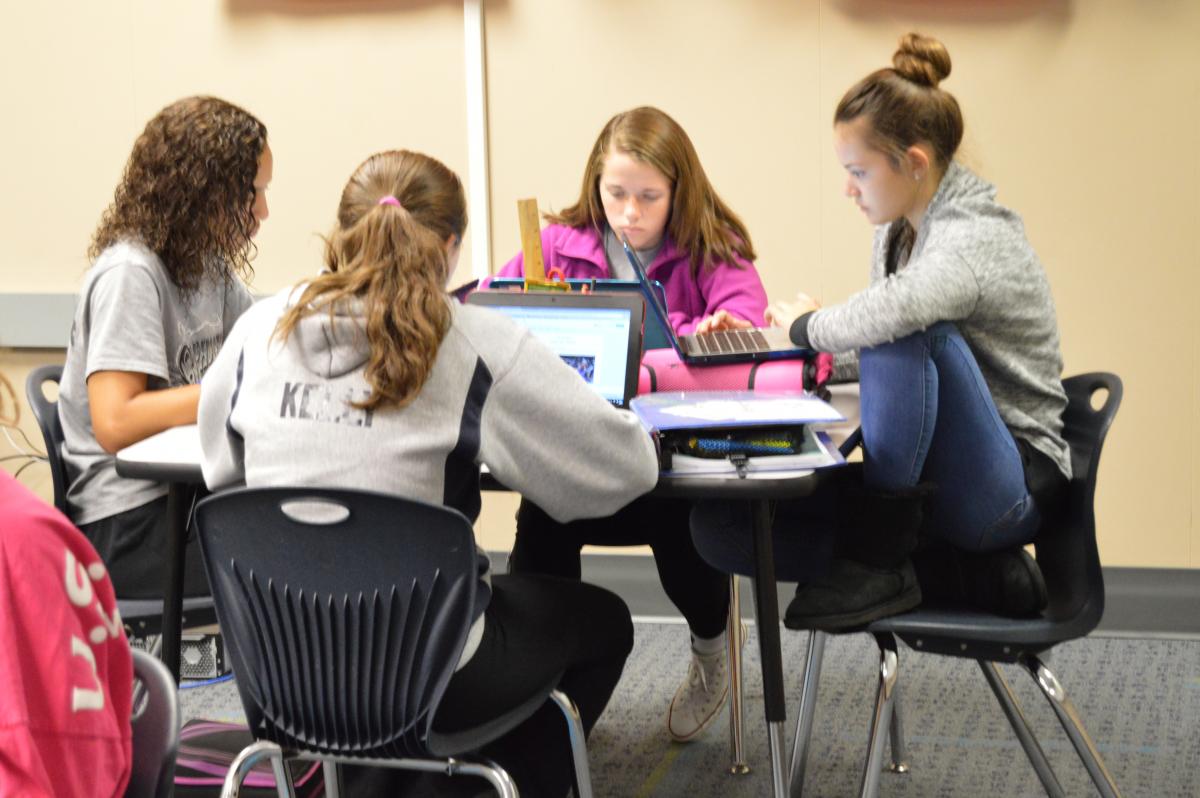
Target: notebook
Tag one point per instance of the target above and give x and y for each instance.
(597, 334)
(728, 346)
(704, 433)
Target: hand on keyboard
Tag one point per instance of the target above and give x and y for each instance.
(721, 320)
(782, 313)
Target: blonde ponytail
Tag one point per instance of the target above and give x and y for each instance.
(392, 257)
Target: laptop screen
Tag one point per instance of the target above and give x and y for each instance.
(598, 335)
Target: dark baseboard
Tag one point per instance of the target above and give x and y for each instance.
(1138, 600)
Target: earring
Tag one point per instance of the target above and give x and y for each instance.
(917, 176)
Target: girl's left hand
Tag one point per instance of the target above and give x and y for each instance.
(782, 314)
(721, 320)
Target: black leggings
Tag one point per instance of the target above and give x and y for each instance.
(535, 627)
(544, 546)
(133, 546)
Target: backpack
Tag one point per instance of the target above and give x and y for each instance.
(662, 370)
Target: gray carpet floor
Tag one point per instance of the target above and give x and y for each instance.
(1140, 700)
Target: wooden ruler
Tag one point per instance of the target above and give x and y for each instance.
(531, 240)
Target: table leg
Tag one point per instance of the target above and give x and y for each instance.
(734, 637)
(172, 620)
(766, 605)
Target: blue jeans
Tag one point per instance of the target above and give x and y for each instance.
(927, 415)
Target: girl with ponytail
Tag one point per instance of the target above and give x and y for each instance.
(369, 376)
(956, 348)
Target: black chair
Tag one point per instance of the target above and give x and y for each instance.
(1070, 562)
(345, 614)
(142, 617)
(155, 729)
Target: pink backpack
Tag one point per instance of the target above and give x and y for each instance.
(662, 370)
(207, 750)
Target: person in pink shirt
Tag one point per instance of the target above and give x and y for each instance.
(66, 671)
(643, 180)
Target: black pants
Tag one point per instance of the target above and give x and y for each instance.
(133, 546)
(544, 546)
(536, 627)
(802, 534)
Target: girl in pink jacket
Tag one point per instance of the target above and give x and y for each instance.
(644, 180)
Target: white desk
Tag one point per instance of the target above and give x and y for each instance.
(174, 456)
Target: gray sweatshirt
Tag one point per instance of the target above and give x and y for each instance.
(972, 265)
(279, 414)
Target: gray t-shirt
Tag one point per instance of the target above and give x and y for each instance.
(618, 262)
(131, 317)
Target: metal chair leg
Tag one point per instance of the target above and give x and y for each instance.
(808, 706)
(497, 776)
(1016, 719)
(283, 776)
(333, 779)
(250, 756)
(899, 759)
(888, 664)
(1068, 716)
(733, 635)
(583, 776)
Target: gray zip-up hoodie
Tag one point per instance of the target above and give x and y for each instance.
(970, 264)
(278, 413)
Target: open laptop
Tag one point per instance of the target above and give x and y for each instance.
(597, 334)
(727, 346)
(653, 334)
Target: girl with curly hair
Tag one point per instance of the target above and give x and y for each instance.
(163, 290)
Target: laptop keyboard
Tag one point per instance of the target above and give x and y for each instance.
(731, 342)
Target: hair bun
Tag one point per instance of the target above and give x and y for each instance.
(922, 60)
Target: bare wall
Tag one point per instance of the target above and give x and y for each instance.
(1082, 113)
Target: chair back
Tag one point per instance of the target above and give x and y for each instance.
(1066, 546)
(46, 414)
(344, 612)
(155, 730)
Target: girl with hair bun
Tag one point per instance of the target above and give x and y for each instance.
(164, 288)
(369, 376)
(956, 347)
(643, 180)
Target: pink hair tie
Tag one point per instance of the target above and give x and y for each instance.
(390, 200)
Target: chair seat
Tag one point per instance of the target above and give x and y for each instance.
(444, 744)
(981, 635)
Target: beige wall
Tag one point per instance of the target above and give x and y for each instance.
(1082, 112)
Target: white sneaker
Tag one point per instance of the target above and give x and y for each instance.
(701, 697)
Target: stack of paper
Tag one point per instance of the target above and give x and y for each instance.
(678, 419)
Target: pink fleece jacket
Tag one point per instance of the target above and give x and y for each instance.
(579, 252)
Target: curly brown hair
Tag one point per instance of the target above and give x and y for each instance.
(392, 256)
(187, 192)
